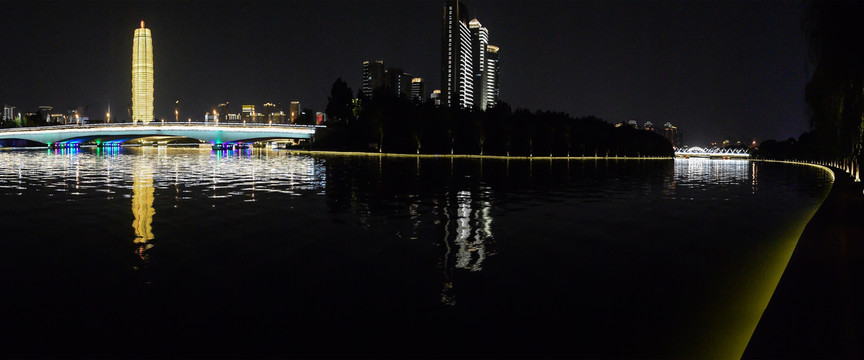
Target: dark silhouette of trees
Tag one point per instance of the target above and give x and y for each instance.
(306, 117)
(835, 92)
(339, 103)
(387, 123)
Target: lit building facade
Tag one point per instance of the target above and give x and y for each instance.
(248, 113)
(398, 81)
(436, 97)
(649, 126)
(469, 64)
(294, 111)
(373, 76)
(8, 112)
(273, 113)
(223, 111)
(491, 82)
(479, 42)
(142, 75)
(395, 80)
(417, 89)
(457, 79)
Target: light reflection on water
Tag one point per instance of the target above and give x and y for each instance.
(611, 247)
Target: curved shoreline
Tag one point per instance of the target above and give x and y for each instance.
(740, 338)
(815, 311)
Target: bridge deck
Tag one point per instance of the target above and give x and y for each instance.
(209, 132)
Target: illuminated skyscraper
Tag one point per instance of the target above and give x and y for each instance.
(418, 89)
(479, 42)
(457, 70)
(142, 75)
(491, 83)
(373, 76)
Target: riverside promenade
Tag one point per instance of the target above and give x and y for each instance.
(817, 310)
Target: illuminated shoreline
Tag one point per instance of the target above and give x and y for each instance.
(468, 156)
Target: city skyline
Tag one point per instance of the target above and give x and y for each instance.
(714, 69)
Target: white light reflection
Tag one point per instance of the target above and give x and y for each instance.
(697, 172)
(471, 236)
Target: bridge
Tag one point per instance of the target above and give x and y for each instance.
(218, 135)
(715, 153)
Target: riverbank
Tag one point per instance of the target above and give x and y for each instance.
(468, 156)
(815, 311)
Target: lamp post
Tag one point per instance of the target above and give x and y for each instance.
(216, 117)
(108, 117)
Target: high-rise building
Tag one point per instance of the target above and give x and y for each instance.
(485, 62)
(142, 75)
(436, 97)
(294, 111)
(247, 113)
(649, 126)
(457, 70)
(395, 80)
(8, 112)
(373, 76)
(417, 89)
(223, 111)
(674, 135)
(272, 114)
(493, 70)
(45, 113)
(479, 41)
(398, 82)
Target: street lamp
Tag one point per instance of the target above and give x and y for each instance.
(215, 117)
(108, 117)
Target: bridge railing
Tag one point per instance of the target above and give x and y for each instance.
(160, 123)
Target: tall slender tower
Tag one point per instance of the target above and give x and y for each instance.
(142, 75)
(457, 79)
(479, 42)
(491, 79)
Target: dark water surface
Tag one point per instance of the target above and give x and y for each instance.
(191, 252)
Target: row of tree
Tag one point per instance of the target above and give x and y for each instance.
(387, 123)
(835, 92)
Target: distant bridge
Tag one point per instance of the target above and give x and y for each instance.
(213, 133)
(699, 152)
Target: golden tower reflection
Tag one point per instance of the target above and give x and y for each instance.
(142, 207)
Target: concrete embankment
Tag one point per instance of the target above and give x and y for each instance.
(817, 310)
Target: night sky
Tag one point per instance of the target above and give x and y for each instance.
(730, 69)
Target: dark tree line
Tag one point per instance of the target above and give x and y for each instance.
(387, 123)
(835, 92)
